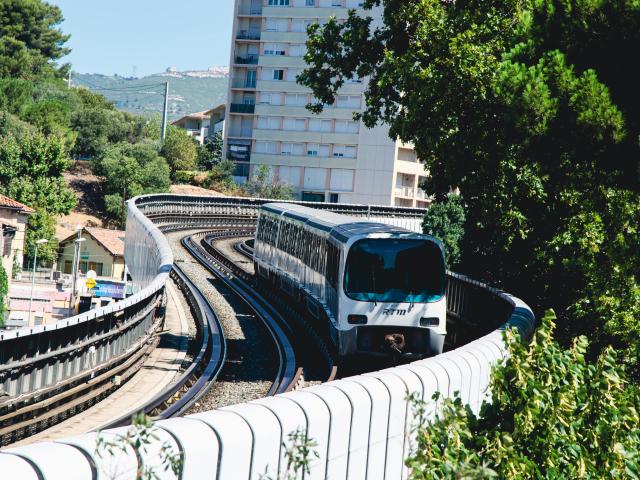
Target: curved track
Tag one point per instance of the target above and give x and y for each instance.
(288, 373)
(315, 357)
(201, 375)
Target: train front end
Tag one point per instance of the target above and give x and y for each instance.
(392, 296)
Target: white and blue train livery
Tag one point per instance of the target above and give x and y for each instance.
(379, 288)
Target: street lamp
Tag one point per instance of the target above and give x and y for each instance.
(76, 265)
(33, 274)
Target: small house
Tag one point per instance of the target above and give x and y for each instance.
(13, 222)
(101, 251)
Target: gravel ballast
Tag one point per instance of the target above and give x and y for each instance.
(250, 368)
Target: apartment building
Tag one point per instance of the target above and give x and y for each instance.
(326, 157)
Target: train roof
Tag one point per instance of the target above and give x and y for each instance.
(341, 227)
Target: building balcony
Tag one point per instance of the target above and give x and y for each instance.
(239, 153)
(242, 108)
(250, 10)
(247, 60)
(243, 83)
(236, 132)
(404, 191)
(248, 35)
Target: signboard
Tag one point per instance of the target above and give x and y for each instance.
(90, 283)
(110, 288)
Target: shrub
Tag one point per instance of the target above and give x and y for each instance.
(553, 414)
(445, 221)
(185, 176)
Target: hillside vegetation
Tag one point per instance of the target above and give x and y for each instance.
(188, 91)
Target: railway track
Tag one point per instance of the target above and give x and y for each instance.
(287, 373)
(197, 381)
(203, 372)
(316, 358)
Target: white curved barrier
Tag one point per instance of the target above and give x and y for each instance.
(361, 425)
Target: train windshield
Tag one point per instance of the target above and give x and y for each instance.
(395, 270)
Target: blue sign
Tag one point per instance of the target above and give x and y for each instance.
(109, 288)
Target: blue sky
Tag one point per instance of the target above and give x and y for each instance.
(112, 36)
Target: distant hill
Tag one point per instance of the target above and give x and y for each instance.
(190, 91)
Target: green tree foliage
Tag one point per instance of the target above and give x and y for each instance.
(553, 414)
(10, 125)
(98, 127)
(15, 94)
(31, 170)
(4, 289)
(129, 170)
(17, 61)
(261, 185)
(524, 107)
(445, 221)
(179, 150)
(221, 175)
(211, 152)
(41, 225)
(30, 40)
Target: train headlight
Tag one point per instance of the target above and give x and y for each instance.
(357, 319)
(429, 321)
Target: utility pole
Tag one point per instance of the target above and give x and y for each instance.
(164, 112)
(76, 264)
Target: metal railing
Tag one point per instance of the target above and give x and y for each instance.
(243, 83)
(250, 10)
(248, 35)
(48, 361)
(242, 108)
(247, 60)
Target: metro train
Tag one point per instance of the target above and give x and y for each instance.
(379, 289)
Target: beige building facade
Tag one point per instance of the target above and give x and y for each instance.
(101, 251)
(203, 125)
(327, 157)
(13, 222)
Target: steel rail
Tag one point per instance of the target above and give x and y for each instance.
(288, 372)
(203, 371)
(277, 302)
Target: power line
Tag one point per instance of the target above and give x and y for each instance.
(123, 88)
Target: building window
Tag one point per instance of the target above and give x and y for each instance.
(272, 49)
(278, 3)
(310, 3)
(317, 125)
(278, 74)
(346, 126)
(296, 124)
(295, 100)
(348, 101)
(269, 123)
(271, 99)
(292, 149)
(297, 50)
(315, 150)
(86, 266)
(347, 151)
(266, 147)
(276, 25)
(293, 73)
